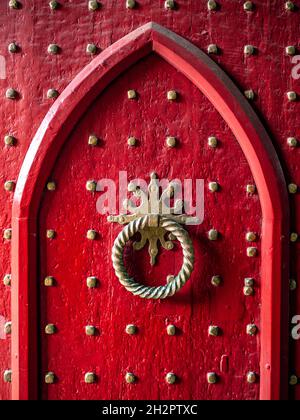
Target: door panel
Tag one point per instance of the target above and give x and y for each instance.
(70, 257)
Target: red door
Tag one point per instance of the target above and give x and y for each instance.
(98, 340)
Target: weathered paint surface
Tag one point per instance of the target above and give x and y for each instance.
(71, 210)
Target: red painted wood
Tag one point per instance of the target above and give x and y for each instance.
(254, 141)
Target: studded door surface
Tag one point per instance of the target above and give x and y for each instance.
(81, 362)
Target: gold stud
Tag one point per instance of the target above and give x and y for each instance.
(53, 49)
(294, 237)
(14, 4)
(130, 4)
(170, 4)
(9, 185)
(292, 96)
(49, 281)
(213, 186)
(293, 380)
(10, 140)
(213, 235)
(7, 328)
(50, 329)
(249, 50)
(216, 281)
(212, 378)
(54, 5)
(213, 142)
(248, 6)
(249, 94)
(93, 140)
(52, 94)
(170, 378)
(91, 186)
(130, 378)
(251, 189)
(7, 376)
(292, 142)
(171, 330)
(7, 234)
(90, 330)
(171, 142)
(252, 251)
(251, 329)
(212, 5)
(172, 95)
(93, 5)
(213, 331)
(248, 291)
(212, 49)
(50, 378)
(293, 285)
(11, 94)
(13, 48)
(251, 377)
(251, 237)
(249, 281)
(90, 378)
(7, 280)
(92, 282)
(289, 6)
(290, 50)
(132, 141)
(293, 188)
(131, 329)
(51, 186)
(91, 234)
(50, 234)
(91, 49)
(131, 94)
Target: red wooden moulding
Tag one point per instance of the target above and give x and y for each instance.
(256, 145)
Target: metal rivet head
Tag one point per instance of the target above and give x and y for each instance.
(170, 378)
(212, 5)
(292, 142)
(11, 94)
(91, 234)
(7, 280)
(172, 95)
(50, 329)
(212, 49)
(289, 6)
(293, 380)
(53, 49)
(7, 376)
(9, 185)
(293, 285)
(294, 237)
(130, 378)
(171, 142)
(7, 234)
(130, 4)
(293, 188)
(131, 329)
(132, 94)
(251, 329)
(249, 49)
(132, 141)
(170, 4)
(50, 234)
(52, 94)
(292, 96)
(212, 378)
(213, 235)
(248, 291)
(249, 94)
(91, 186)
(251, 189)
(213, 186)
(51, 186)
(93, 5)
(50, 378)
(248, 6)
(171, 330)
(251, 377)
(91, 49)
(91, 282)
(93, 140)
(90, 378)
(9, 140)
(13, 48)
(212, 142)
(213, 331)
(249, 282)
(7, 328)
(290, 50)
(252, 251)
(90, 330)
(54, 5)
(49, 281)
(14, 4)
(251, 237)
(216, 281)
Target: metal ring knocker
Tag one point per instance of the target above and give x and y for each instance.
(177, 282)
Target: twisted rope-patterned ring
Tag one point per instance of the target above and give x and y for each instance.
(177, 282)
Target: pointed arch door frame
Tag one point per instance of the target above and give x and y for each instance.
(256, 145)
